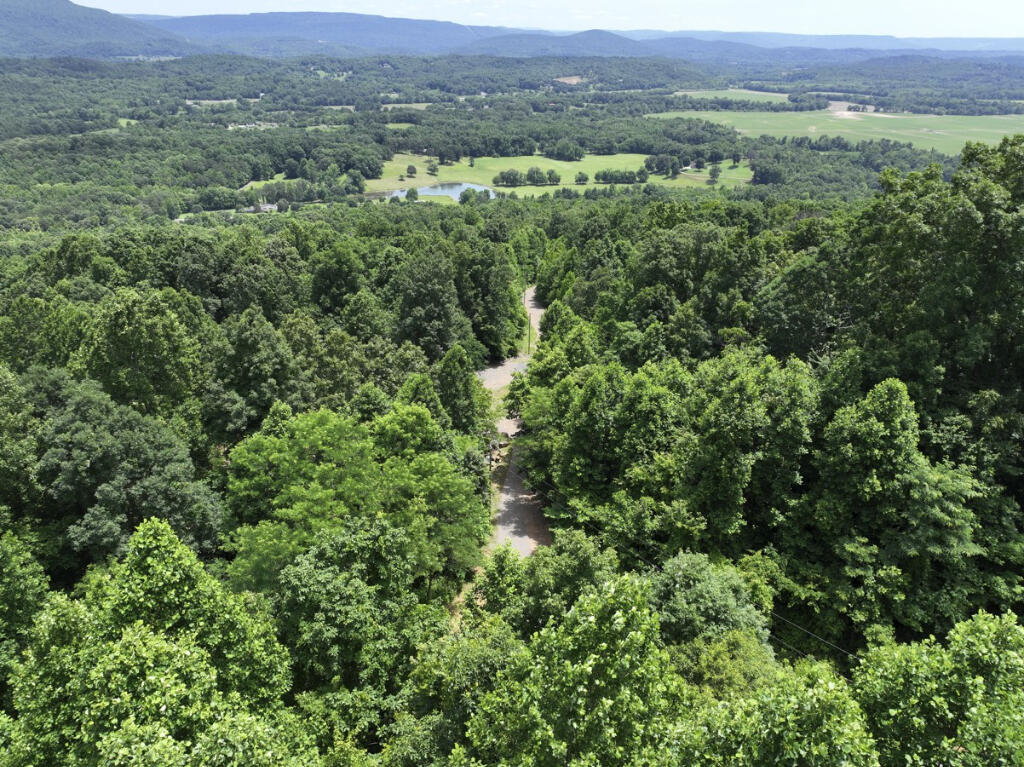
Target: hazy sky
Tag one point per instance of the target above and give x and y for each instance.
(908, 18)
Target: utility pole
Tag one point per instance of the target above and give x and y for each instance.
(529, 326)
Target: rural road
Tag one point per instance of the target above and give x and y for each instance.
(498, 376)
(519, 518)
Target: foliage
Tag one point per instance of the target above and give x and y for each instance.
(889, 520)
(100, 469)
(155, 660)
(593, 690)
(23, 588)
(958, 703)
(445, 686)
(806, 717)
(530, 593)
(247, 451)
(321, 470)
(696, 600)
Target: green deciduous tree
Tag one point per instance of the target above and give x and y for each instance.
(696, 599)
(549, 582)
(419, 389)
(805, 718)
(18, 447)
(23, 587)
(751, 418)
(888, 533)
(319, 469)
(348, 609)
(42, 331)
(259, 369)
(450, 677)
(595, 689)
(141, 351)
(426, 304)
(337, 275)
(958, 703)
(102, 468)
(155, 660)
(464, 399)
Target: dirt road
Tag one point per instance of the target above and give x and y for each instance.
(518, 518)
(497, 377)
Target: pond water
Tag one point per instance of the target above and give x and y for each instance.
(452, 190)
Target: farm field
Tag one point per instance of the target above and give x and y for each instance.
(486, 168)
(327, 128)
(740, 94)
(260, 184)
(946, 133)
(418, 106)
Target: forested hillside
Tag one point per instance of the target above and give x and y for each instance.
(323, 33)
(249, 469)
(46, 28)
(62, 28)
(919, 83)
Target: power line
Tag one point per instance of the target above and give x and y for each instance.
(803, 654)
(788, 646)
(634, 553)
(812, 634)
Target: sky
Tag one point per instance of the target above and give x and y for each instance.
(904, 18)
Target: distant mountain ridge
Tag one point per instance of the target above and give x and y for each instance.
(61, 28)
(378, 34)
(594, 42)
(600, 43)
(699, 51)
(307, 33)
(839, 42)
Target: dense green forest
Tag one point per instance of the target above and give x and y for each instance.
(248, 467)
(916, 83)
(86, 144)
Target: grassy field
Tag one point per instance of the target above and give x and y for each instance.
(946, 133)
(740, 94)
(486, 168)
(210, 102)
(261, 184)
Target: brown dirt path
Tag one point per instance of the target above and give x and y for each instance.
(518, 517)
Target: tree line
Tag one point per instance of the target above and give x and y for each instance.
(244, 487)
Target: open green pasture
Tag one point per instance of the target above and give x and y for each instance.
(946, 133)
(739, 94)
(260, 184)
(486, 168)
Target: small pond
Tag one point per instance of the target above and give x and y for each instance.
(453, 190)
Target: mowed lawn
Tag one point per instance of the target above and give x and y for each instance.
(486, 168)
(739, 94)
(260, 184)
(946, 133)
